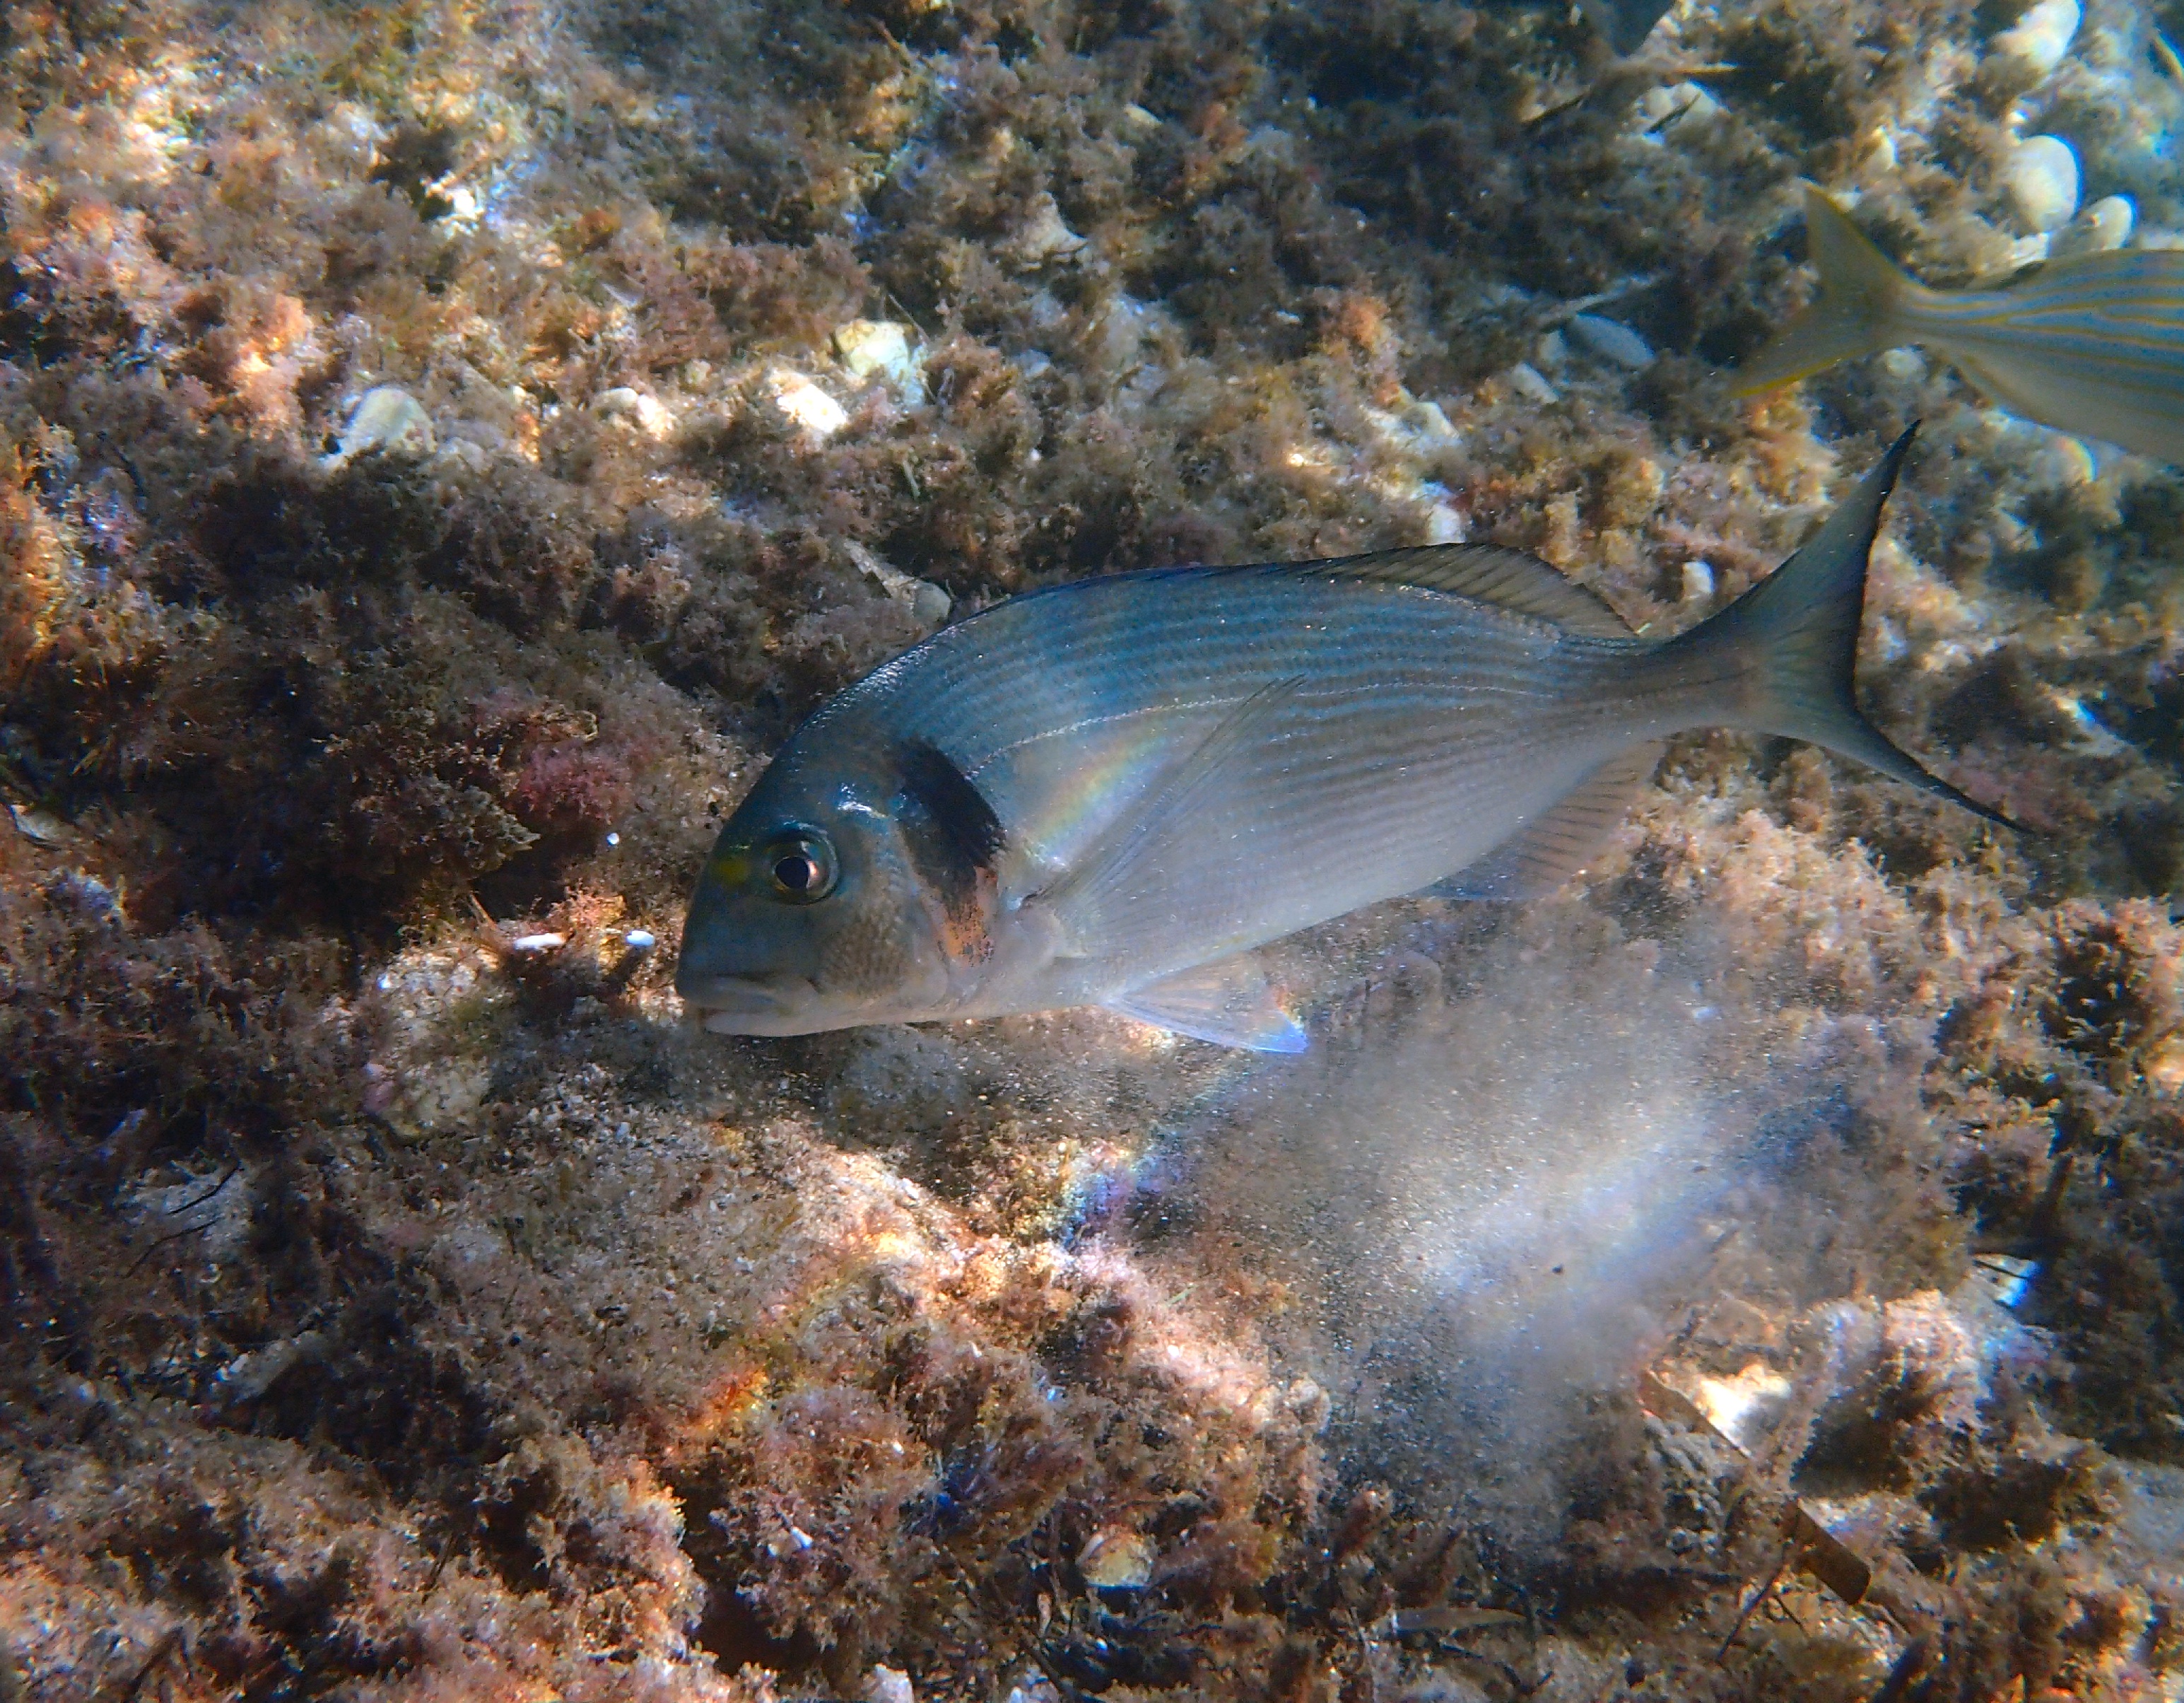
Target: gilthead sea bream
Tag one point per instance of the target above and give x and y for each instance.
(1111, 791)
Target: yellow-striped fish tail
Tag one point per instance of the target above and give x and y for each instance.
(2093, 344)
(1858, 310)
(1788, 648)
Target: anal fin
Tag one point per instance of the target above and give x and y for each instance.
(1228, 1002)
(1558, 842)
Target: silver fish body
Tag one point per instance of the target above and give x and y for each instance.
(1107, 793)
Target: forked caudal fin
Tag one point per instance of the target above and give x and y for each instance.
(1790, 644)
(1854, 314)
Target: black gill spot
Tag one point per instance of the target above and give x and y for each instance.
(961, 826)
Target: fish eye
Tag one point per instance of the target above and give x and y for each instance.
(803, 868)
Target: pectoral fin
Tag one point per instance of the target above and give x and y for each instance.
(1228, 1002)
(1115, 903)
(1557, 843)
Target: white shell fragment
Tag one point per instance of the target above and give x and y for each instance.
(1611, 341)
(928, 603)
(1661, 108)
(37, 826)
(1413, 427)
(807, 406)
(388, 421)
(1526, 380)
(648, 414)
(2042, 182)
(2039, 39)
(538, 943)
(1116, 1559)
(2105, 225)
(878, 348)
(1043, 239)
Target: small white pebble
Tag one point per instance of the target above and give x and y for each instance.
(1699, 106)
(648, 414)
(1698, 580)
(819, 415)
(613, 838)
(880, 348)
(388, 420)
(1526, 380)
(1611, 341)
(538, 943)
(36, 826)
(639, 941)
(2105, 225)
(1444, 521)
(1906, 366)
(2042, 180)
(2039, 39)
(929, 603)
(1656, 107)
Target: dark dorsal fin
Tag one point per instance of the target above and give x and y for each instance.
(960, 824)
(1507, 578)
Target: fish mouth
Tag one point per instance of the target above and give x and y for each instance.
(750, 1005)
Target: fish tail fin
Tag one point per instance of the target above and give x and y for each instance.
(1862, 291)
(1787, 649)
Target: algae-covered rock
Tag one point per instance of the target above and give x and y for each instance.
(442, 451)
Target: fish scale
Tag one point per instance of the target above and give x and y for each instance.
(1110, 792)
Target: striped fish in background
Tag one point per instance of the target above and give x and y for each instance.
(2093, 344)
